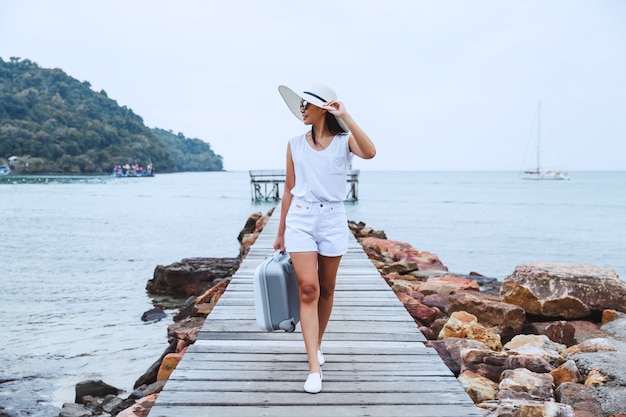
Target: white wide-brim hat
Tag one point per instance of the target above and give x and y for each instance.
(316, 94)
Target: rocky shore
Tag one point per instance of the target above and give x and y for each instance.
(549, 340)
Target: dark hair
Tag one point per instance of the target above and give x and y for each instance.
(332, 124)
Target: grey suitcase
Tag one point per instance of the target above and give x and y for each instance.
(276, 296)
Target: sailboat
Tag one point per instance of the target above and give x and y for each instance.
(539, 173)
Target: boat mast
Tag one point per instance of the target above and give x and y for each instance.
(539, 137)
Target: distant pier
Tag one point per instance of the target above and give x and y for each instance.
(268, 184)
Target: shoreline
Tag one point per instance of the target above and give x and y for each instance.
(427, 290)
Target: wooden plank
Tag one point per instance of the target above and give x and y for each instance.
(421, 384)
(338, 360)
(345, 326)
(296, 346)
(340, 313)
(235, 335)
(263, 410)
(376, 361)
(252, 398)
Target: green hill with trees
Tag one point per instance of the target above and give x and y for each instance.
(53, 123)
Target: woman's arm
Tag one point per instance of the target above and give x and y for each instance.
(290, 180)
(360, 144)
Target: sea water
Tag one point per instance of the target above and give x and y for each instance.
(76, 253)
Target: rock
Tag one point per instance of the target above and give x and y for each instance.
(260, 223)
(425, 275)
(591, 345)
(150, 376)
(580, 398)
(507, 319)
(436, 300)
(420, 312)
(110, 403)
(478, 387)
(402, 283)
(488, 285)
(464, 325)
(533, 363)
(540, 341)
(202, 305)
(123, 406)
(188, 309)
(213, 294)
(95, 388)
(564, 291)
(416, 295)
(250, 232)
(154, 388)
(250, 225)
(562, 332)
(154, 314)
(92, 403)
(168, 364)
(551, 356)
(141, 408)
(483, 362)
(524, 408)
(449, 351)
(379, 265)
(401, 267)
(568, 372)
(74, 410)
(522, 384)
(407, 298)
(595, 378)
(246, 243)
(611, 364)
(616, 328)
(446, 285)
(360, 231)
(610, 315)
(585, 330)
(401, 251)
(191, 276)
(187, 330)
(426, 331)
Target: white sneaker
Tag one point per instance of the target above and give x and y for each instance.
(313, 383)
(320, 358)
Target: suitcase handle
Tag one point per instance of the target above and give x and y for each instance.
(277, 256)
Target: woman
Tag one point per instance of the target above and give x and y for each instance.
(313, 225)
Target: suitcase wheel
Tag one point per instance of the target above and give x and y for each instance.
(287, 325)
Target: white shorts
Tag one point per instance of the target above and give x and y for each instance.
(320, 227)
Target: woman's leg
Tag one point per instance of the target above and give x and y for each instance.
(305, 265)
(327, 272)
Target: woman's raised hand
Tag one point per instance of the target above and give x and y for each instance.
(339, 108)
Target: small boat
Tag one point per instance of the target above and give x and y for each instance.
(136, 170)
(539, 173)
(4, 170)
(545, 174)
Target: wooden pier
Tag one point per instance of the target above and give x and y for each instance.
(266, 184)
(376, 361)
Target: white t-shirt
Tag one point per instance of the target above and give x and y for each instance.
(321, 175)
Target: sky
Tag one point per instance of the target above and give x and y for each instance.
(437, 85)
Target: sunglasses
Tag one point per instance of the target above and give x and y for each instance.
(304, 104)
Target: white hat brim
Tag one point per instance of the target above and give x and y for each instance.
(293, 99)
